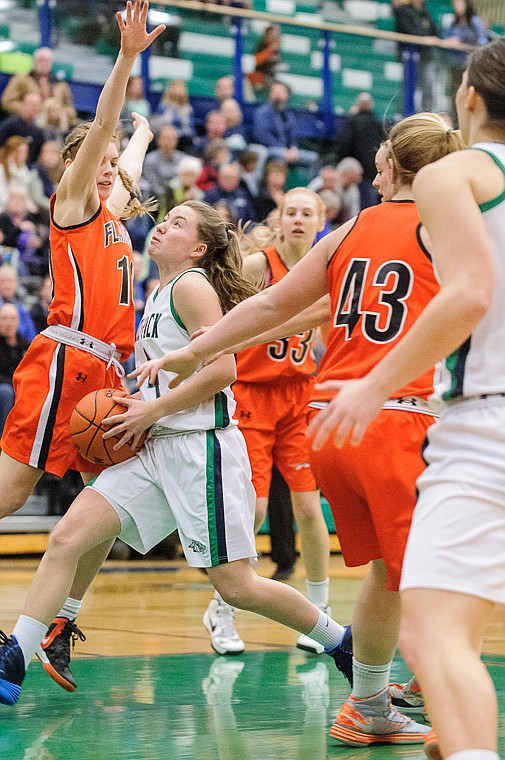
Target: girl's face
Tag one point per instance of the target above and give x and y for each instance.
(176, 237)
(107, 172)
(384, 180)
(300, 219)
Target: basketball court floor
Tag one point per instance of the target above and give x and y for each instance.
(150, 688)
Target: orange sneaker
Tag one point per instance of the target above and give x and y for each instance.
(54, 651)
(374, 720)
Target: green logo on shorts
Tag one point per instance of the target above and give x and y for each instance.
(197, 547)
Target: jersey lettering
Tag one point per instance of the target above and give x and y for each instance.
(115, 232)
(394, 281)
(148, 327)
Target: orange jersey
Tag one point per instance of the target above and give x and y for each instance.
(91, 268)
(380, 279)
(285, 358)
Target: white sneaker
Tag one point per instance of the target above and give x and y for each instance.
(220, 623)
(218, 685)
(308, 644)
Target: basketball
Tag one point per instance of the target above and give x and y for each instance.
(86, 428)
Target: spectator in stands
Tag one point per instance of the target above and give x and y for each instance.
(267, 58)
(466, 28)
(12, 349)
(176, 110)
(229, 189)
(53, 121)
(41, 81)
(327, 179)
(234, 134)
(15, 174)
(160, 165)
(350, 173)
(274, 127)
(8, 294)
(412, 17)
(224, 89)
(136, 101)
(248, 162)
(182, 187)
(215, 155)
(361, 137)
(225, 212)
(215, 127)
(272, 188)
(49, 166)
(40, 308)
(333, 204)
(344, 180)
(25, 125)
(22, 230)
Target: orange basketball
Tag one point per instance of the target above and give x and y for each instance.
(86, 428)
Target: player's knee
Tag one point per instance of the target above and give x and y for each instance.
(64, 541)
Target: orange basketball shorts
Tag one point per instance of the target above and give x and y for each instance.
(371, 488)
(273, 419)
(48, 383)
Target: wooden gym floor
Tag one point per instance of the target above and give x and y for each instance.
(150, 688)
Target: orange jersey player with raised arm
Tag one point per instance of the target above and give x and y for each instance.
(91, 316)
(91, 327)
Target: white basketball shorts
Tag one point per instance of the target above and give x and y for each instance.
(197, 482)
(457, 537)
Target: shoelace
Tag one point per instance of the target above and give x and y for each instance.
(74, 632)
(226, 621)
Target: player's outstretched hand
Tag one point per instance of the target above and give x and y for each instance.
(140, 122)
(134, 35)
(132, 423)
(182, 362)
(348, 414)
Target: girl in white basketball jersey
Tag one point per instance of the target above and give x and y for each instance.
(193, 473)
(454, 566)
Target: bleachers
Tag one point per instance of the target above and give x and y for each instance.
(207, 46)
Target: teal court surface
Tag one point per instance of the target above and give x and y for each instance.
(271, 703)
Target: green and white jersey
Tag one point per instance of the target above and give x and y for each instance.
(478, 366)
(161, 330)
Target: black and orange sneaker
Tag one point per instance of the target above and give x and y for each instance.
(54, 651)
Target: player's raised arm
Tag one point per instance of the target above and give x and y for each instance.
(78, 183)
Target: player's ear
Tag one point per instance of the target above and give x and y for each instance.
(200, 250)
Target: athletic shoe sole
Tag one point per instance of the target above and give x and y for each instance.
(314, 648)
(60, 680)
(354, 739)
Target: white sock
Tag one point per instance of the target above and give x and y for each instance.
(70, 609)
(474, 754)
(327, 632)
(369, 679)
(317, 592)
(29, 633)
